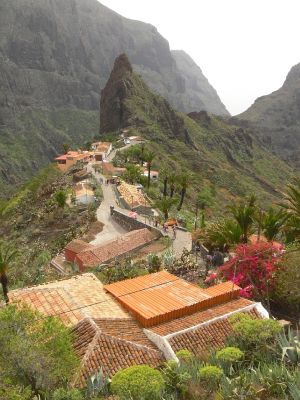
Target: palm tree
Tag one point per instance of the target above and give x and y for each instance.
(184, 181)
(272, 222)
(142, 153)
(244, 214)
(291, 206)
(164, 205)
(7, 255)
(149, 157)
(164, 176)
(173, 178)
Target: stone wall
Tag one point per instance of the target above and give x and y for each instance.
(131, 224)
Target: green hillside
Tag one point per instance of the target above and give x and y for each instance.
(222, 158)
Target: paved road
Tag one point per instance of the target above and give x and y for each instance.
(112, 229)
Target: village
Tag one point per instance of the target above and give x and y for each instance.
(119, 320)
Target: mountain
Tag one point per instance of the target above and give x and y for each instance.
(276, 118)
(55, 56)
(198, 89)
(224, 160)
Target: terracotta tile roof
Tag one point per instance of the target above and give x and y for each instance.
(208, 336)
(161, 297)
(111, 351)
(114, 248)
(71, 299)
(199, 317)
(77, 246)
(222, 288)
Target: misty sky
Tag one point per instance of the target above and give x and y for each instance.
(244, 47)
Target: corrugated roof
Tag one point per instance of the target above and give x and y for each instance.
(161, 297)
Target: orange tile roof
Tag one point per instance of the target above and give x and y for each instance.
(208, 336)
(161, 297)
(114, 248)
(112, 345)
(71, 299)
(169, 327)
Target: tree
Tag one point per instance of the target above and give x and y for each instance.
(133, 173)
(244, 214)
(272, 222)
(291, 206)
(61, 198)
(184, 181)
(36, 351)
(164, 205)
(173, 178)
(149, 157)
(164, 176)
(7, 256)
(66, 147)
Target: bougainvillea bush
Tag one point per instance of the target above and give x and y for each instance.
(253, 268)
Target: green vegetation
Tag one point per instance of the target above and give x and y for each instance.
(38, 223)
(7, 255)
(140, 381)
(36, 352)
(27, 154)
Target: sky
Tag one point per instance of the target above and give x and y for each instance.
(245, 48)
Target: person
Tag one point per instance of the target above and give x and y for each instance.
(165, 227)
(217, 259)
(174, 231)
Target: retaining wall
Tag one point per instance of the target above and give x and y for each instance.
(131, 224)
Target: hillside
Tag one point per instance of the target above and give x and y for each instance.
(55, 56)
(199, 92)
(276, 118)
(224, 159)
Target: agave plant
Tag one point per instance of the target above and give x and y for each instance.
(97, 384)
(290, 346)
(294, 391)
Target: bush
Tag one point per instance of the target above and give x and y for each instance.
(254, 336)
(67, 394)
(229, 355)
(211, 375)
(138, 382)
(184, 355)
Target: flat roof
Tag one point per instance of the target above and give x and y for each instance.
(161, 297)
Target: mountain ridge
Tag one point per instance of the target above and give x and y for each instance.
(276, 118)
(54, 58)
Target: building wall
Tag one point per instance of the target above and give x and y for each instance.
(70, 255)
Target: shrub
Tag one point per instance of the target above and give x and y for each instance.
(253, 269)
(211, 375)
(254, 336)
(67, 394)
(184, 355)
(138, 382)
(229, 355)
(60, 198)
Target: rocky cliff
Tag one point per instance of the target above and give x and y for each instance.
(226, 160)
(276, 118)
(55, 56)
(197, 88)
